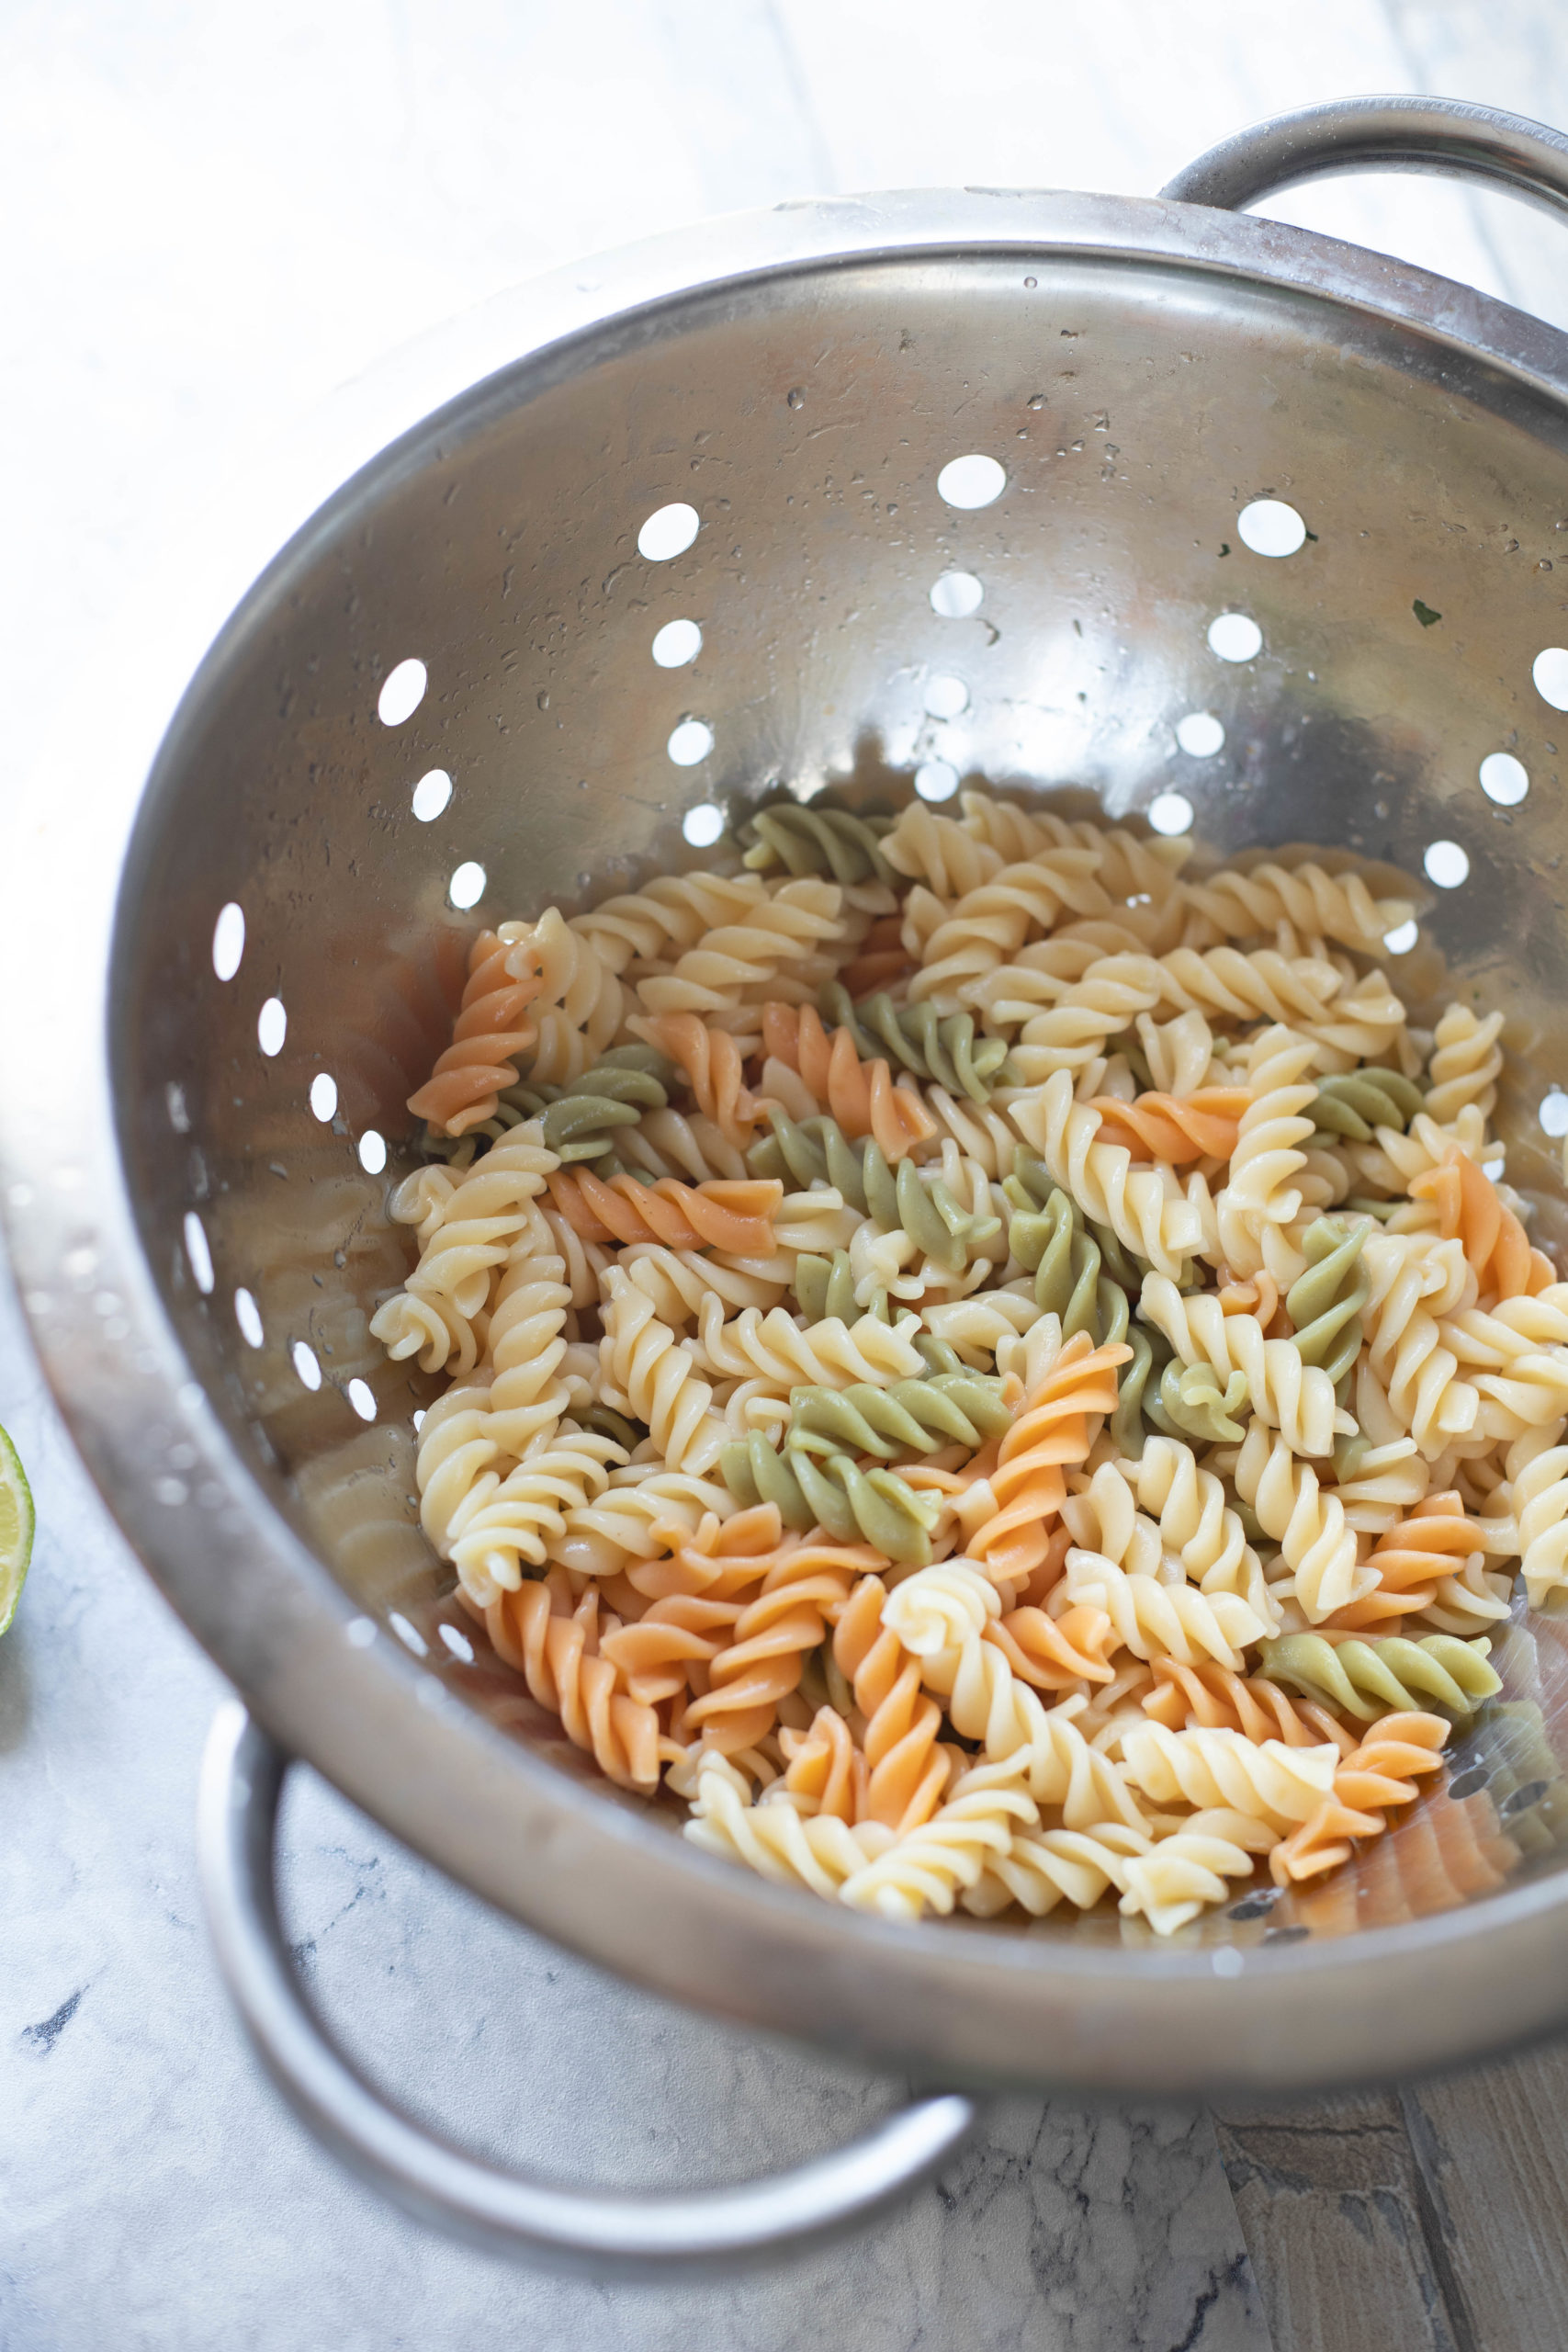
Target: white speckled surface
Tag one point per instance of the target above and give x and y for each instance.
(213, 215)
(157, 2194)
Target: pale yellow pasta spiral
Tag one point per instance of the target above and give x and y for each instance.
(1182, 1875)
(667, 916)
(715, 976)
(980, 1131)
(830, 1354)
(1290, 990)
(1509, 1329)
(978, 1324)
(679, 1281)
(939, 851)
(623, 1524)
(527, 1394)
(1157, 1620)
(1339, 907)
(1538, 1484)
(1284, 1393)
(647, 1373)
(583, 1262)
(683, 1145)
(1130, 868)
(1258, 1191)
(523, 1517)
(1466, 1064)
(452, 1465)
(820, 1853)
(940, 1614)
(1044, 1867)
(1308, 1524)
(1109, 998)
(449, 1289)
(1264, 1780)
(1180, 1052)
(990, 923)
(925, 1869)
(579, 1008)
(1141, 1205)
(1415, 1285)
(1104, 1519)
(1198, 1523)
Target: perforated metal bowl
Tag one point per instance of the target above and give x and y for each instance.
(200, 1249)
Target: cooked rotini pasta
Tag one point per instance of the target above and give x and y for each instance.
(997, 1372)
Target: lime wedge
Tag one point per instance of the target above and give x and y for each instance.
(16, 1530)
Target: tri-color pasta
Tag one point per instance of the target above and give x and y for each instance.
(1001, 1374)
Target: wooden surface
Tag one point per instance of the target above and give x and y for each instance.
(210, 226)
(1424, 2219)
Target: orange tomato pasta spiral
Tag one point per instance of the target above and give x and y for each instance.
(1176, 1128)
(861, 1096)
(1051, 1428)
(712, 1062)
(491, 1029)
(723, 1215)
(762, 1662)
(1495, 1241)
(1374, 1777)
(906, 1769)
(1436, 1540)
(554, 1644)
(1212, 1698)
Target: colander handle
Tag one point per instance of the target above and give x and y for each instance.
(591, 2231)
(1396, 134)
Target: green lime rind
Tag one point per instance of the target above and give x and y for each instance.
(17, 1522)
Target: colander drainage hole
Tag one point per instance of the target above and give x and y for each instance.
(677, 644)
(1549, 671)
(228, 941)
(1271, 527)
(362, 1397)
(431, 795)
(1402, 938)
(323, 1098)
(703, 825)
(272, 1026)
(1554, 1111)
(1503, 779)
(974, 480)
(247, 1314)
(372, 1152)
(402, 691)
(956, 595)
(1200, 734)
(466, 887)
(406, 1634)
(305, 1365)
(198, 1253)
(690, 742)
(458, 1644)
(1447, 865)
(1170, 812)
(936, 780)
(946, 697)
(667, 531)
(1234, 637)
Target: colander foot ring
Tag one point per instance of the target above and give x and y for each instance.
(442, 2185)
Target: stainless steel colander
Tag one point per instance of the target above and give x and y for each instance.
(203, 1108)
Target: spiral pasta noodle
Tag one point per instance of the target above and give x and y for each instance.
(859, 1096)
(997, 1369)
(491, 1029)
(714, 975)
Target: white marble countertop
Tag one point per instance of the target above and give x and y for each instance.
(211, 224)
